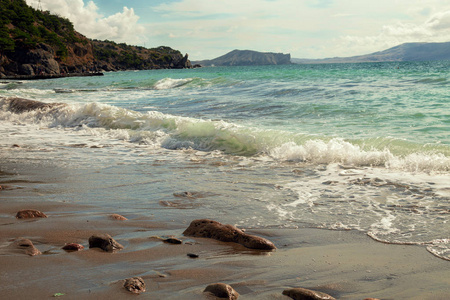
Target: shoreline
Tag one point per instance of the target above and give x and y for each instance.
(344, 264)
(50, 76)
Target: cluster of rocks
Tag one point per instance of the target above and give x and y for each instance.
(204, 228)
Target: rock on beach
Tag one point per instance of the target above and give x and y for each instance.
(135, 285)
(305, 294)
(118, 217)
(227, 233)
(27, 246)
(222, 290)
(73, 247)
(104, 242)
(30, 213)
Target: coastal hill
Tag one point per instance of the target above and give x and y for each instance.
(34, 42)
(247, 58)
(403, 52)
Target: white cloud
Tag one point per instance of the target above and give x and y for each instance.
(435, 29)
(120, 27)
(310, 28)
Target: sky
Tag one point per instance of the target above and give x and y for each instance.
(206, 29)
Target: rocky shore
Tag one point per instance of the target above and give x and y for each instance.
(49, 76)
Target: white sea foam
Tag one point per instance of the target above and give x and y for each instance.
(174, 132)
(170, 83)
(339, 151)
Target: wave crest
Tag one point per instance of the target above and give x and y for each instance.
(174, 132)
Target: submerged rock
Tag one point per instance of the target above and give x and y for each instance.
(73, 247)
(305, 294)
(27, 246)
(134, 285)
(104, 242)
(227, 233)
(20, 105)
(222, 290)
(30, 213)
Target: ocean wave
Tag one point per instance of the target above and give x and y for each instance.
(174, 132)
(169, 83)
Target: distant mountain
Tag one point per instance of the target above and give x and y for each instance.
(403, 52)
(247, 58)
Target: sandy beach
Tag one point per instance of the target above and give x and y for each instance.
(344, 264)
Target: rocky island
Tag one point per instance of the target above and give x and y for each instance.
(35, 44)
(247, 58)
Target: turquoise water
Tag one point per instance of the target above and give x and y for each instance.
(338, 146)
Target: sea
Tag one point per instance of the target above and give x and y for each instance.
(362, 147)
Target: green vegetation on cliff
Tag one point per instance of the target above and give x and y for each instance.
(111, 55)
(21, 26)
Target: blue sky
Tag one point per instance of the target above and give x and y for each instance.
(305, 28)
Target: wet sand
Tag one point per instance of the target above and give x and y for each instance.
(344, 264)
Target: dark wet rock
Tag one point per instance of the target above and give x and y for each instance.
(118, 217)
(20, 105)
(173, 240)
(192, 255)
(30, 213)
(330, 182)
(193, 195)
(27, 246)
(73, 247)
(104, 242)
(222, 290)
(187, 195)
(227, 233)
(305, 294)
(134, 285)
(6, 187)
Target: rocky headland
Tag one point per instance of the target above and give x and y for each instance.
(247, 58)
(35, 44)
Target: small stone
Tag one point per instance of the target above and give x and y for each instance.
(28, 246)
(227, 233)
(172, 240)
(193, 255)
(73, 247)
(30, 213)
(104, 242)
(222, 290)
(118, 217)
(134, 285)
(305, 294)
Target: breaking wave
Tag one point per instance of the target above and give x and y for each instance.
(173, 132)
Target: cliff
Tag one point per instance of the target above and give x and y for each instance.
(111, 56)
(248, 58)
(403, 52)
(35, 43)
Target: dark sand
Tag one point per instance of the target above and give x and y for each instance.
(344, 264)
